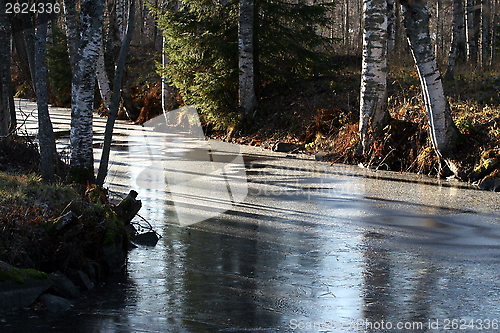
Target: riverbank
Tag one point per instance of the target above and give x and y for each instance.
(57, 239)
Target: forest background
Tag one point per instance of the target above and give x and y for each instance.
(307, 81)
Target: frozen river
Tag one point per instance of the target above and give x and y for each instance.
(310, 247)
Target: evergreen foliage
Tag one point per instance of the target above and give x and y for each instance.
(202, 47)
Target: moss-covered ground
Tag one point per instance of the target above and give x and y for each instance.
(30, 210)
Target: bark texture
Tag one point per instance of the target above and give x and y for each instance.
(72, 36)
(470, 31)
(83, 85)
(247, 99)
(457, 48)
(443, 132)
(373, 98)
(103, 79)
(45, 129)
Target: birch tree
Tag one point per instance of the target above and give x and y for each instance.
(470, 31)
(82, 91)
(484, 33)
(45, 131)
(443, 132)
(103, 79)
(457, 48)
(167, 98)
(246, 88)
(373, 99)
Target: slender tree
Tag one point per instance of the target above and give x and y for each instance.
(82, 92)
(117, 85)
(443, 132)
(470, 31)
(72, 37)
(457, 48)
(484, 33)
(102, 78)
(167, 98)
(5, 79)
(373, 100)
(246, 88)
(45, 130)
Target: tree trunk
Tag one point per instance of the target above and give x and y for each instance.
(121, 18)
(102, 78)
(45, 130)
(373, 99)
(247, 99)
(72, 37)
(346, 27)
(493, 34)
(457, 47)
(82, 92)
(391, 26)
(117, 84)
(167, 98)
(21, 54)
(484, 35)
(443, 132)
(5, 84)
(469, 31)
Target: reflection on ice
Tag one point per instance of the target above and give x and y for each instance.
(203, 179)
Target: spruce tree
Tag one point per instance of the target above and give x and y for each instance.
(202, 47)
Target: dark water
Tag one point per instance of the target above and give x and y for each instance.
(312, 248)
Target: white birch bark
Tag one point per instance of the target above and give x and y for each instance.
(443, 132)
(166, 91)
(470, 34)
(45, 130)
(457, 37)
(373, 98)
(484, 34)
(102, 78)
(121, 18)
(247, 99)
(83, 85)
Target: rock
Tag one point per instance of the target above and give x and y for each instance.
(149, 239)
(320, 156)
(20, 287)
(113, 256)
(93, 270)
(285, 147)
(63, 286)
(490, 160)
(490, 184)
(81, 280)
(55, 303)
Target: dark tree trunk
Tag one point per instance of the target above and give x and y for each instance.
(115, 101)
(45, 130)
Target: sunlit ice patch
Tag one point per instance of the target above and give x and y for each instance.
(203, 178)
